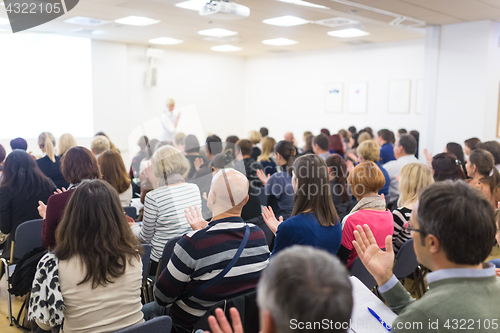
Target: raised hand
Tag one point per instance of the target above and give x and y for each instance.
(270, 219)
(221, 325)
(350, 166)
(195, 219)
(58, 191)
(379, 263)
(262, 177)
(42, 209)
(428, 157)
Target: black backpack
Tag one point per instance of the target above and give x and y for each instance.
(25, 271)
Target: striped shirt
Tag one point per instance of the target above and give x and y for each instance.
(401, 218)
(164, 215)
(199, 256)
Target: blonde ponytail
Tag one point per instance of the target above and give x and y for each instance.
(47, 141)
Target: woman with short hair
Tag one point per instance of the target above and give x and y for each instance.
(114, 172)
(370, 151)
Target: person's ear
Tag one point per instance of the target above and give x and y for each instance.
(246, 200)
(268, 325)
(433, 243)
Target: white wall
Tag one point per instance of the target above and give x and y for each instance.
(287, 92)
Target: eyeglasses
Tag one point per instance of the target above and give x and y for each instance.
(409, 229)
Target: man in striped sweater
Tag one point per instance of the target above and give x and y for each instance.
(202, 254)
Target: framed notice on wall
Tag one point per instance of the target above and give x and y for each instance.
(399, 96)
(334, 97)
(357, 97)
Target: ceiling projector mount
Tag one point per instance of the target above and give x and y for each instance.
(224, 10)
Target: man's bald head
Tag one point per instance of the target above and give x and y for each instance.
(229, 192)
(289, 136)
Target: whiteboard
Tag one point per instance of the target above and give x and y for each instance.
(399, 96)
(334, 97)
(357, 97)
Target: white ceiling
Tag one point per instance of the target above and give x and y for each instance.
(184, 24)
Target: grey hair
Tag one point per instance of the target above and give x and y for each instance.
(307, 285)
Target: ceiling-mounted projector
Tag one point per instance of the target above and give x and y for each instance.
(224, 10)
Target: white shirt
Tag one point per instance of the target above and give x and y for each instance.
(168, 120)
(126, 197)
(393, 169)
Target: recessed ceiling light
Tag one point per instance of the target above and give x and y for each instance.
(192, 4)
(137, 20)
(279, 42)
(348, 33)
(286, 21)
(304, 3)
(82, 20)
(217, 32)
(2, 4)
(226, 48)
(165, 41)
(4, 21)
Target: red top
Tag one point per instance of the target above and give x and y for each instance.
(55, 211)
(381, 224)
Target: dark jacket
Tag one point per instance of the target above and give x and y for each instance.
(53, 170)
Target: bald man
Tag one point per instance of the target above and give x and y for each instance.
(201, 271)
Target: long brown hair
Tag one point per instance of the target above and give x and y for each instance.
(287, 150)
(95, 229)
(313, 190)
(113, 170)
(338, 169)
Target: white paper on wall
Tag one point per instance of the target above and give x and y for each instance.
(334, 97)
(399, 96)
(357, 97)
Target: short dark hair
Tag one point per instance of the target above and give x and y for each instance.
(472, 143)
(77, 164)
(409, 144)
(493, 147)
(352, 129)
(446, 166)
(402, 131)
(322, 141)
(455, 214)
(214, 144)
(232, 139)
(264, 132)
(386, 135)
(19, 143)
(191, 144)
(246, 146)
(456, 149)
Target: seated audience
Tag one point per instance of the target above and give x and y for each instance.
(321, 144)
(231, 144)
(77, 165)
(345, 135)
(114, 172)
(143, 153)
(202, 254)
(453, 231)
(179, 141)
(308, 146)
(96, 265)
(363, 136)
(255, 138)
(263, 131)
(404, 151)
(314, 220)
(163, 219)
(289, 137)
(457, 150)
(341, 193)
(470, 144)
(328, 295)
(337, 145)
(325, 131)
(50, 164)
(213, 147)
(111, 145)
(267, 158)
(385, 142)
(251, 166)
(369, 151)
(19, 143)
(484, 175)
(23, 185)
(401, 131)
(192, 150)
(352, 129)
(302, 151)
(66, 141)
(447, 166)
(365, 180)
(494, 148)
(99, 145)
(279, 189)
(413, 178)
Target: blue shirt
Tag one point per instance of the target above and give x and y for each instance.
(304, 229)
(387, 153)
(384, 190)
(280, 186)
(269, 167)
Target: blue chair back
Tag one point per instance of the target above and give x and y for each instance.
(168, 250)
(161, 324)
(359, 270)
(131, 211)
(406, 260)
(28, 237)
(145, 261)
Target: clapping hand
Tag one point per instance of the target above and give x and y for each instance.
(428, 157)
(270, 219)
(378, 263)
(221, 325)
(195, 219)
(42, 209)
(262, 177)
(58, 191)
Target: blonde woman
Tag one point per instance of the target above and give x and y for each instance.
(255, 138)
(50, 164)
(369, 150)
(266, 158)
(66, 141)
(412, 179)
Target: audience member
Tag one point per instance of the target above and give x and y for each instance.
(66, 141)
(251, 165)
(404, 151)
(255, 138)
(314, 220)
(320, 146)
(447, 166)
(77, 164)
(325, 132)
(213, 147)
(457, 150)
(453, 231)
(50, 164)
(413, 178)
(264, 132)
(341, 193)
(496, 262)
(494, 148)
(192, 150)
(402, 131)
(152, 144)
(416, 135)
(470, 144)
(484, 175)
(365, 181)
(111, 145)
(114, 172)
(363, 136)
(346, 136)
(267, 159)
(3, 154)
(178, 141)
(279, 189)
(370, 151)
(92, 280)
(385, 142)
(19, 143)
(204, 269)
(308, 145)
(143, 153)
(353, 130)
(23, 185)
(163, 219)
(336, 145)
(231, 144)
(99, 145)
